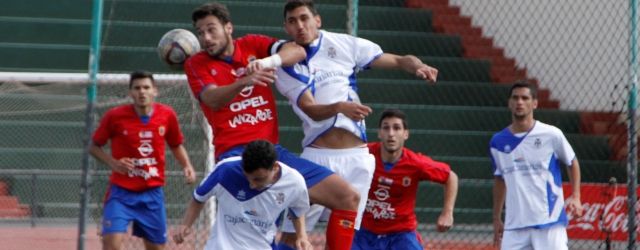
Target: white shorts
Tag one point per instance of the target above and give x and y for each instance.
(354, 165)
(554, 237)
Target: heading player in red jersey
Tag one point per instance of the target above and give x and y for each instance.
(240, 107)
(138, 133)
(389, 220)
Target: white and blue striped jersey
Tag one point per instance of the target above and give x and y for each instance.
(529, 163)
(246, 217)
(329, 72)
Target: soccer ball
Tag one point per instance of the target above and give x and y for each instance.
(176, 46)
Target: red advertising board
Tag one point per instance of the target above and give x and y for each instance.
(605, 212)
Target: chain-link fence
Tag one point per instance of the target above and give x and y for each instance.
(577, 52)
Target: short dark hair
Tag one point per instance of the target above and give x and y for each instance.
(293, 4)
(214, 9)
(523, 84)
(140, 74)
(387, 113)
(258, 154)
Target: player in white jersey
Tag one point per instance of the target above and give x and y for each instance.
(252, 192)
(322, 91)
(526, 159)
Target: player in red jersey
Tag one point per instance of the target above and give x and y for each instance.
(138, 133)
(389, 220)
(240, 106)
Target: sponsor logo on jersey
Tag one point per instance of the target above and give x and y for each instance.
(537, 143)
(252, 119)
(241, 195)
(246, 91)
(385, 181)
(145, 134)
(253, 102)
(145, 148)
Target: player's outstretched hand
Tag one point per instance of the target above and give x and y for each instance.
(123, 165)
(574, 206)
(261, 77)
(181, 233)
(355, 111)
(498, 229)
(303, 244)
(427, 72)
(189, 174)
(445, 222)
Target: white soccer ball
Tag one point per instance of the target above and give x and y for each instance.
(176, 46)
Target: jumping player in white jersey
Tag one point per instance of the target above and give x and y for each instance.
(526, 159)
(252, 191)
(323, 94)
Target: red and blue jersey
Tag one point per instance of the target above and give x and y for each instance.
(251, 114)
(143, 142)
(392, 197)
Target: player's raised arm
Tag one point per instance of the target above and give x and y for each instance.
(409, 63)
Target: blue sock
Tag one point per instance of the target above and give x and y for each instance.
(282, 246)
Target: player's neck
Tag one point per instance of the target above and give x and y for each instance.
(143, 110)
(390, 157)
(522, 125)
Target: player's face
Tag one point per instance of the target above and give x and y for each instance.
(143, 92)
(521, 103)
(262, 178)
(392, 134)
(214, 36)
(302, 26)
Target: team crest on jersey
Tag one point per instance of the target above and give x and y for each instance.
(251, 212)
(161, 130)
(507, 149)
(213, 72)
(238, 72)
(332, 52)
(406, 181)
(537, 143)
(280, 198)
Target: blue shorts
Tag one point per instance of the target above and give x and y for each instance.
(366, 240)
(145, 209)
(312, 173)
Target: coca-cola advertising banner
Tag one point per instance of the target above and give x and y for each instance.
(605, 212)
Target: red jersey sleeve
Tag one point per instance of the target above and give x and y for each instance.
(103, 132)
(198, 74)
(174, 134)
(261, 43)
(432, 170)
